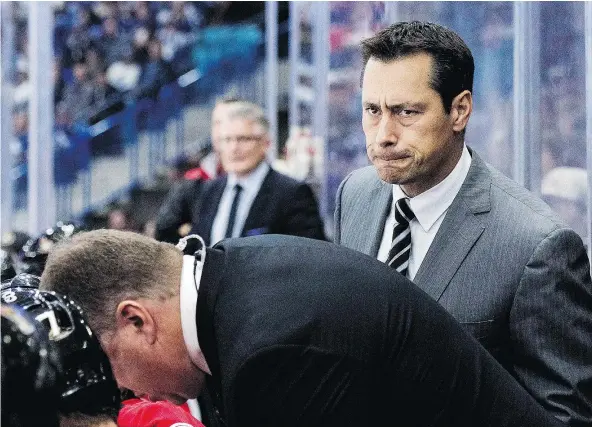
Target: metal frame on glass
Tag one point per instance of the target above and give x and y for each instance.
(527, 87)
(40, 152)
(588, 48)
(271, 72)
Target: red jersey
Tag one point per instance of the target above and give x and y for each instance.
(196, 173)
(144, 413)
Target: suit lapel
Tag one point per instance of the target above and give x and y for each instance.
(210, 207)
(261, 203)
(460, 230)
(383, 196)
(367, 208)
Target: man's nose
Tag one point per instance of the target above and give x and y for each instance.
(388, 131)
(232, 144)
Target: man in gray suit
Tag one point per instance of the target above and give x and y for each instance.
(494, 255)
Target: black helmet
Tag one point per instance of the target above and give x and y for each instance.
(30, 371)
(22, 280)
(7, 266)
(87, 384)
(34, 252)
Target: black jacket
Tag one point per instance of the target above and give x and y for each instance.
(282, 206)
(299, 332)
(181, 206)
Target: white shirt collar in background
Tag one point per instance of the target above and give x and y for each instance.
(253, 180)
(251, 184)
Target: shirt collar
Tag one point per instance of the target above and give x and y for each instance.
(188, 295)
(252, 180)
(431, 204)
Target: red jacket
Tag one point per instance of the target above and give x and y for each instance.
(144, 413)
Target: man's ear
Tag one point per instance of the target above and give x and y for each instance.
(461, 109)
(135, 315)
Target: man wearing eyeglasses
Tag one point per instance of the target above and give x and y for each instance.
(253, 198)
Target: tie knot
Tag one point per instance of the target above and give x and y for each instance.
(238, 188)
(403, 212)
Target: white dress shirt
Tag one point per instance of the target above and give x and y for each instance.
(250, 187)
(430, 208)
(188, 296)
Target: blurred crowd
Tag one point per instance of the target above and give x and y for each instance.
(108, 52)
(104, 50)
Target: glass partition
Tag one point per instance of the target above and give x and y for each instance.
(529, 117)
(563, 111)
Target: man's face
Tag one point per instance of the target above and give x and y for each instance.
(409, 137)
(243, 146)
(80, 72)
(156, 370)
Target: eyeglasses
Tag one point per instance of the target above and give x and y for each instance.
(241, 139)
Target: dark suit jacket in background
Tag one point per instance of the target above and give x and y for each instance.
(181, 206)
(282, 206)
(299, 332)
(506, 267)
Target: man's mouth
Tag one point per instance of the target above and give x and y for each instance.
(394, 157)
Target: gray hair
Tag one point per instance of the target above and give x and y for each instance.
(248, 111)
(101, 268)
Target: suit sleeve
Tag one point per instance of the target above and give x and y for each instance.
(551, 326)
(298, 386)
(302, 217)
(175, 211)
(447, 379)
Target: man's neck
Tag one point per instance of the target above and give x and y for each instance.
(416, 188)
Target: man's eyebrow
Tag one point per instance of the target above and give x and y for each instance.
(405, 105)
(367, 104)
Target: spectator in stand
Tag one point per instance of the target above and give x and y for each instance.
(105, 100)
(85, 31)
(125, 16)
(143, 16)
(78, 96)
(185, 16)
(94, 62)
(172, 39)
(156, 72)
(114, 45)
(140, 45)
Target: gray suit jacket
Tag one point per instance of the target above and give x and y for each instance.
(507, 268)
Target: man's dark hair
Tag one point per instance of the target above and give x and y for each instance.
(453, 67)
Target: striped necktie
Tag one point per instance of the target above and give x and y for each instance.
(398, 257)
